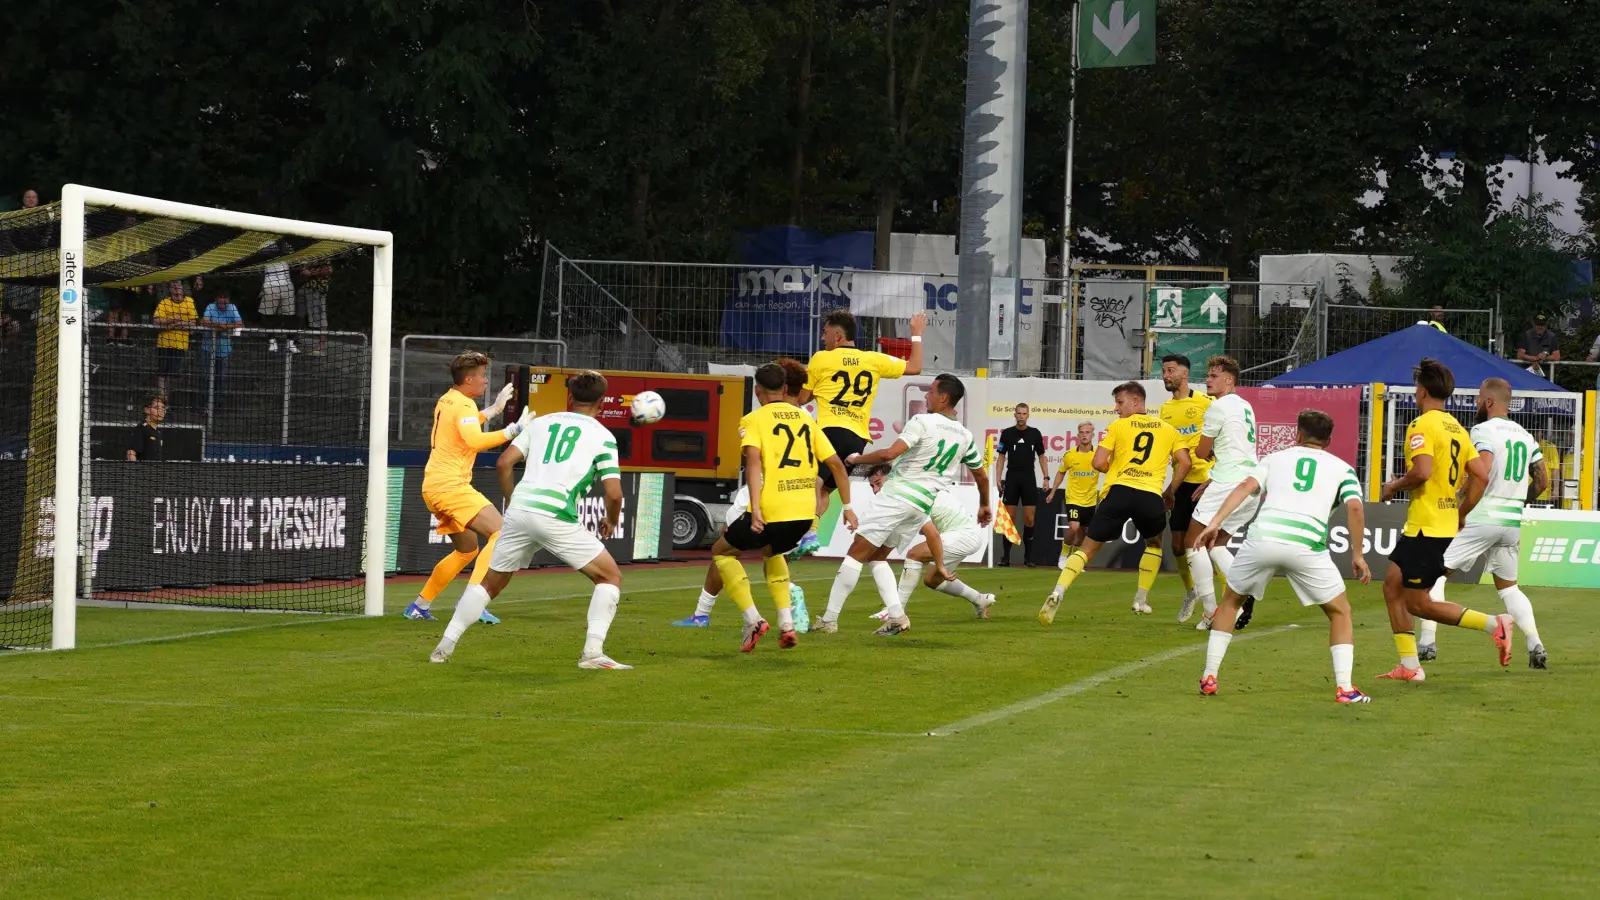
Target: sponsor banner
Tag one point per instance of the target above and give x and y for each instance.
(154, 525)
(1278, 411)
(1560, 548)
(770, 308)
(420, 547)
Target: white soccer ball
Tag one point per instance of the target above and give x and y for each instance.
(647, 408)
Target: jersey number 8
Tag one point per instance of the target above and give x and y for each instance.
(558, 446)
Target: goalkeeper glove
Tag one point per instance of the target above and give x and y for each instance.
(500, 401)
(519, 426)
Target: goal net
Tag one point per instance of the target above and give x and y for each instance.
(195, 399)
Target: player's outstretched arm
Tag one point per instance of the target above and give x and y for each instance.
(1356, 521)
(476, 439)
(842, 480)
(914, 361)
(505, 468)
(887, 454)
(981, 476)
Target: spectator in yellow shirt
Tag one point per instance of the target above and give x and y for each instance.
(175, 314)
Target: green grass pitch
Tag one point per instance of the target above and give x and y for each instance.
(316, 756)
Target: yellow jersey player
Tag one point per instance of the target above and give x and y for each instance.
(1134, 455)
(1185, 411)
(844, 379)
(1083, 488)
(1437, 452)
(783, 448)
(462, 512)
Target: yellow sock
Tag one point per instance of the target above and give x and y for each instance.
(1074, 568)
(1475, 620)
(482, 568)
(1149, 565)
(1182, 561)
(777, 569)
(444, 573)
(734, 582)
(1405, 643)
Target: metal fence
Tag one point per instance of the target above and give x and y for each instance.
(422, 373)
(251, 386)
(1343, 326)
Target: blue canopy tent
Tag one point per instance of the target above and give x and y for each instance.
(1389, 360)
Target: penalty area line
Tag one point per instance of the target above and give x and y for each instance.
(1082, 685)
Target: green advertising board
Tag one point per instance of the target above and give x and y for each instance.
(1560, 548)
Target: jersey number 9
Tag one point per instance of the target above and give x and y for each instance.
(860, 388)
(1143, 443)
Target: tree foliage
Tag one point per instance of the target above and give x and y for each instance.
(656, 129)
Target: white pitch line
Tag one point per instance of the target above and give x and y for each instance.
(454, 716)
(1074, 688)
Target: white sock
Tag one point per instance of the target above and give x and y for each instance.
(751, 615)
(1344, 659)
(1216, 648)
(1205, 582)
(468, 609)
(703, 606)
(423, 602)
(1427, 629)
(956, 588)
(910, 574)
(843, 584)
(1140, 595)
(1522, 610)
(883, 579)
(1222, 561)
(786, 618)
(602, 609)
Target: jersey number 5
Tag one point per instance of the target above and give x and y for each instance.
(804, 437)
(860, 388)
(1143, 443)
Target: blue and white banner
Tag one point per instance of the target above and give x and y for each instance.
(770, 309)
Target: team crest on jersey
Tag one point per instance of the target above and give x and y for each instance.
(1192, 412)
(1417, 440)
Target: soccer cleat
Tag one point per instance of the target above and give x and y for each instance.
(1536, 658)
(1208, 686)
(418, 612)
(892, 627)
(982, 606)
(693, 622)
(797, 603)
(1205, 623)
(753, 633)
(1502, 637)
(1401, 673)
(787, 639)
(600, 661)
(1351, 696)
(1047, 612)
(1427, 652)
(881, 615)
(1246, 610)
(1142, 608)
(1187, 610)
(823, 626)
(488, 618)
(807, 546)
(441, 653)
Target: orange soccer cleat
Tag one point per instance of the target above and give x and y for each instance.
(787, 639)
(1208, 686)
(1502, 637)
(1353, 695)
(1401, 673)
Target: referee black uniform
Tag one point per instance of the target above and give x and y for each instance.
(1022, 447)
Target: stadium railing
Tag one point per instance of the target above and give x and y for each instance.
(423, 372)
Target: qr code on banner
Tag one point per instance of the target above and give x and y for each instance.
(1272, 438)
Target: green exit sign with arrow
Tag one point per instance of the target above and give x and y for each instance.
(1115, 33)
(1189, 308)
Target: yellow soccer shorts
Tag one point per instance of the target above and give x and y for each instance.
(454, 507)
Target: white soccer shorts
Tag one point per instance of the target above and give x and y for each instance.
(525, 533)
(1211, 503)
(1312, 574)
(891, 523)
(1498, 543)
(960, 545)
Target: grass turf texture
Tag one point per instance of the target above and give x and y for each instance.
(327, 757)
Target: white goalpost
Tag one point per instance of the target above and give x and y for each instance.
(82, 252)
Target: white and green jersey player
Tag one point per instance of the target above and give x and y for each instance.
(929, 454)
(1230, 424)
(1508, 466)
(565, 452)
(950, 536)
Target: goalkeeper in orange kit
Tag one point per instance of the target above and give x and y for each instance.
(462, 512)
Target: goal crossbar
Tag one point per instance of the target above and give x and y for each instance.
(69, 521)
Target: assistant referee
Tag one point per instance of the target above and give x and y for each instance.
(1021, 447)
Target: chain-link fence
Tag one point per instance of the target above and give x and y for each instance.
(1344, 326)
(421, 374)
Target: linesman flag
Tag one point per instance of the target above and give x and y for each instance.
(1006, 527)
